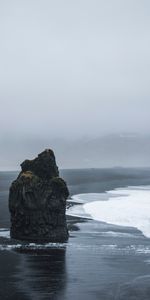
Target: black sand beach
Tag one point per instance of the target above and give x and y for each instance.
(100, 261)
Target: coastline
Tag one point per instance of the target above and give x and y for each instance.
(100, 261)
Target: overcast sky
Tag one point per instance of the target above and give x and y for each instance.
(74, 68)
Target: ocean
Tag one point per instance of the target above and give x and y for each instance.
(107, 256)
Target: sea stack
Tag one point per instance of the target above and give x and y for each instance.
(37, 201)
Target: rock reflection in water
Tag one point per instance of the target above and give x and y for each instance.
(42, 275)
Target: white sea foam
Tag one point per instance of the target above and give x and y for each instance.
(77, 211)
(83, 198)
(32, 246)
(5, 233)
(131, 208)
(118, 234)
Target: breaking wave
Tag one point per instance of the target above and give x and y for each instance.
(130, 207)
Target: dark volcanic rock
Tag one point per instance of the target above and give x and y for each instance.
(43, 166)
(37, 201)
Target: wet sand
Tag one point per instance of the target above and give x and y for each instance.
(100, 261)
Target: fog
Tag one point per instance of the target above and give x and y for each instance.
(72, 71)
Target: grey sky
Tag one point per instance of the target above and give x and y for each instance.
(74, 68)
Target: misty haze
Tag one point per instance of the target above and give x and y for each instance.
(114, 150)
(75, 150)
(71, 70)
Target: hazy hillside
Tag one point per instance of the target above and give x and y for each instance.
(121, 150)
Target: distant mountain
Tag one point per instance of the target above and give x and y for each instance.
(115, 150)
(123, 150)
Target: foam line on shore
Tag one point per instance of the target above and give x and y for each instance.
(131, 208)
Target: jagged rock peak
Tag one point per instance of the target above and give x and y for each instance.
(43, 166)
